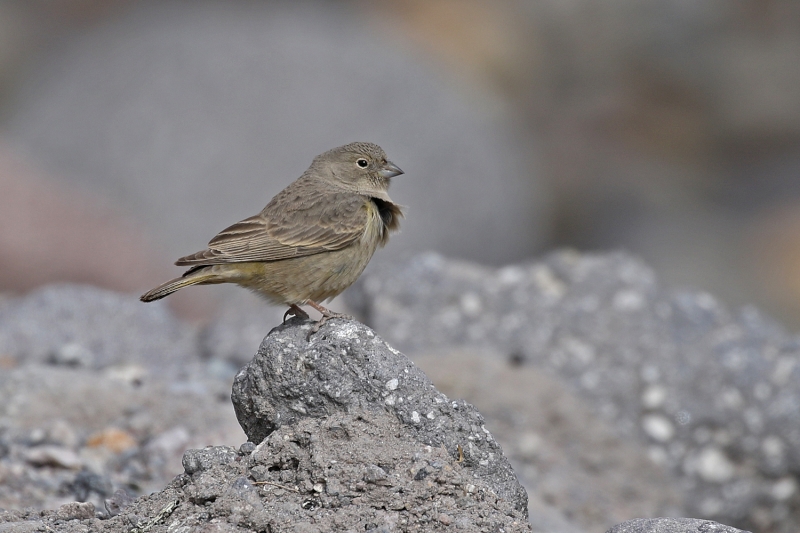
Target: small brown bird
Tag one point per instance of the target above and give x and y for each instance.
(311, 241)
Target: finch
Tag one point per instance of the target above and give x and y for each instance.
(311, 241)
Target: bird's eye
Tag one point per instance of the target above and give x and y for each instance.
(362, 162)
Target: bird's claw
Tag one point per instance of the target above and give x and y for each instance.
(295, 310)
(325, 317)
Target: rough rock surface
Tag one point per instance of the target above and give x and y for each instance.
(672, 525)
(713, 394)
(345, 473)
(346, 368)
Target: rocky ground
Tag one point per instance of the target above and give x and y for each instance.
(609, 397)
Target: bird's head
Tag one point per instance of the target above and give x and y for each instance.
(358, 166)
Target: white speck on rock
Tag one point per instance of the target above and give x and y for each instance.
(784, 488)
(430, 416)
(348, 330)
(773, 447)
(654, 397)
(392, 384)
(390, 400)
(415, 417)
(471, 304)
(658, 428)
(628, 300)
(580, 351)
(732, 398)
(510, 275)
(548, 283)
(714, 466)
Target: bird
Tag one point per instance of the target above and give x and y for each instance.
(311, 241)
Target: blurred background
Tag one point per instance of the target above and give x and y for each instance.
(132, 131)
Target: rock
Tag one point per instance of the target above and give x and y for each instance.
(200, 460)
(345, 367)
(56, 456)
(28, 526)
(672, 525)
(117, 502)
(345, 472)
(711, 393)
(75, 511)
(166, 134)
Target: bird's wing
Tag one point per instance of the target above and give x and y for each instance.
(289, 226)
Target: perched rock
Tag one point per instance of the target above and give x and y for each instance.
(346, 368)
(713, 394)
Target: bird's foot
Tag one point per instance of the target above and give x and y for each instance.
(294, 310)
(327, 314)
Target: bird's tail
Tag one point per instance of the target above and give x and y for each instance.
(198, 277)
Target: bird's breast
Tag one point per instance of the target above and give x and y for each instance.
(375, 228)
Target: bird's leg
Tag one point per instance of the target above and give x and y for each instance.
(294, 310)
(327, 314)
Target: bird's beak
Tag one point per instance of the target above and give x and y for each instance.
(389, 170)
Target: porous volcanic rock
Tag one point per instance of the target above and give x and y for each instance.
(347, 368)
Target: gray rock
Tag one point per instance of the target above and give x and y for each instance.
(345, 367)
(117, 502)
(199, 460)
(75, 511)
(672, 525)
(355, 471)
(28, 526)
(202, 111)
(79, 325)
(713, 394)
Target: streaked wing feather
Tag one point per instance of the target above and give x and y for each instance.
(278, 232)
